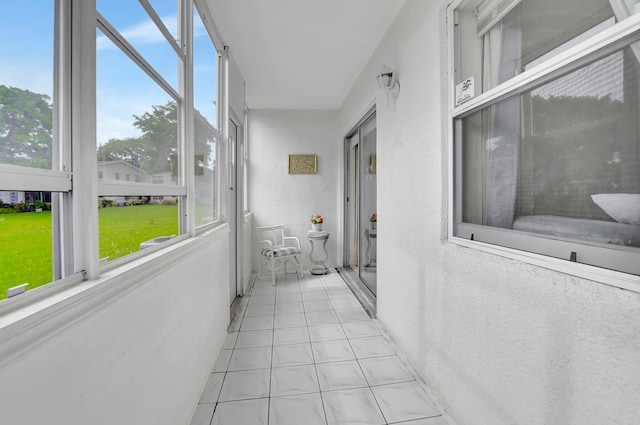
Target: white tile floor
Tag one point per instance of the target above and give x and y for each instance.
(304, 353)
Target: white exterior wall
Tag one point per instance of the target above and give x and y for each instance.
(139, 354)
(109, 170)
(498, 341)
(277, 197)
(11, 197)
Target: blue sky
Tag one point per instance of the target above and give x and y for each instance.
(124, 90)
(26, 58)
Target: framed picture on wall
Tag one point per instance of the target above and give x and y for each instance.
(303, 164)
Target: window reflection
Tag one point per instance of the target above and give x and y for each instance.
(502, 38)
(205, 58)
(538, 161)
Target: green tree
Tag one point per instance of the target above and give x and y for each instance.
(156, 150)
(25, 128)
(131, 150)
(160, 135)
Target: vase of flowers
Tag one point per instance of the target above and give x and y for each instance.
(374, 221)
(316, 222)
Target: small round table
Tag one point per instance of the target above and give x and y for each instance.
(317, 236)
(372, 237)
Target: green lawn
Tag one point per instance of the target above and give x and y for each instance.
(25, 250)
(122, 229)
(25, 239)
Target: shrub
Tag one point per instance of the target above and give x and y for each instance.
(44, 205)
(21, 206)
(104, 203)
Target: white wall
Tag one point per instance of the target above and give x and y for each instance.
(136, 349)
(277, 197)
(499, 341)
(236, 98)
(247, 248)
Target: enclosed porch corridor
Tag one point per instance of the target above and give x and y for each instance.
(306, 352)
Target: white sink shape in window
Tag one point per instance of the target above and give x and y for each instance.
(622, 207)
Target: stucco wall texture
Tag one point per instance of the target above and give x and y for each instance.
(497, 340)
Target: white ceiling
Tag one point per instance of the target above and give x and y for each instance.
(301, 54)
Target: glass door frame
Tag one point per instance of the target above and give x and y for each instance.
(350, 199)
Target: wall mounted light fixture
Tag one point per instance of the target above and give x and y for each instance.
(388, 82)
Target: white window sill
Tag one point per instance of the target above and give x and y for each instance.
(607, 277)
(38, 315)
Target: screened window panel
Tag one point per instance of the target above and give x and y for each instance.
(500, 39)
(26, 243)
(26, 84)
(137, 122)
(206, 172)
(205, 81)
(562, 159)
(143, 34)
(205, 72)
(128, 224)
(141, 84)
(168, 12)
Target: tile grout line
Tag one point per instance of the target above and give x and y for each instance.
(273, 330)
(375, 323)
(365, 377)
(315, 367)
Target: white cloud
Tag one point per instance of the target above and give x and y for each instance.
(114, 127)
(27, 75)
(115, 117)
(143, 33)
(198, 29)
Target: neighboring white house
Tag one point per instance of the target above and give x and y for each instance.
(15, 196)
(122, 170)
(11, 197)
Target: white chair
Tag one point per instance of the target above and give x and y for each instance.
(277, 249)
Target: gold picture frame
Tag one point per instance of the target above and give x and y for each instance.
(303, 164)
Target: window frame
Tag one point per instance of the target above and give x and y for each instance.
(73, 178)
(107, 187)
(539, 250)
(201, 8)
(58, 180)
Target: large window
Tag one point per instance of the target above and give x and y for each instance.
(205, 81)
(95, 169)
(28, 138)
(546, 134)
(139, 137)
(139, 57)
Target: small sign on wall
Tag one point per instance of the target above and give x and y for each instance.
(465, 91)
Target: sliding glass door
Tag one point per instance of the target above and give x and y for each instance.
(361, 200)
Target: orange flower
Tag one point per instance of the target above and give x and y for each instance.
(317, 219)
